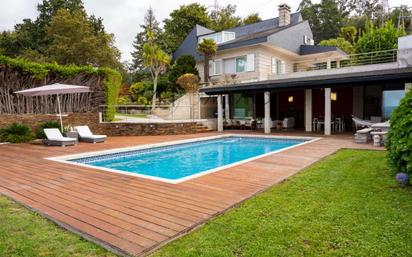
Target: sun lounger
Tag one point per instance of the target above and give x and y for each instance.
(86, 135)
(55, 138)
(361, 123)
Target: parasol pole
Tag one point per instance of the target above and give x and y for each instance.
(60, 113)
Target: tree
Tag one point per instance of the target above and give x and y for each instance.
(156, 60)
(225, 18)
(184, 64)
(340, 42)
(150, 25)
(325, 18)
(251, 19)
(190, 83)
(74, 41)
(349, 33)
(379, 39)
(208, 49)
(181, 22)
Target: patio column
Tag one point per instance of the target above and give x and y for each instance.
(219, 113)
(227, 107)
(268, 121)
(328, 64)
(308, 110)
(328, 112)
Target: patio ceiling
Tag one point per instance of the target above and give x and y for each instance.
(349, 79)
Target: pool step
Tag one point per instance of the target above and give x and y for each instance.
(200, 128)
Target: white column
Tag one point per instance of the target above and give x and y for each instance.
(268, 121)
(328, 64)
(308, 110)
(219, 113)
(227, 107)
(328, 112)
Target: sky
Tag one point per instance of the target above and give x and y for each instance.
(123, 17)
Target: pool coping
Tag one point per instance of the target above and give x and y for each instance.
(66, 158)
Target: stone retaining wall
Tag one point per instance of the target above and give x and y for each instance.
(110, 129)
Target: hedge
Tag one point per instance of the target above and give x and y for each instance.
(400, 136)
(21, 72)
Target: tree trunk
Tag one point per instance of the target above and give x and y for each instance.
(206, 69)
(154, 91)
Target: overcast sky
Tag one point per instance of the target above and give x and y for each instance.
(122, 17)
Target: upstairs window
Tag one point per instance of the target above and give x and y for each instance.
(278, 66)
(241, 63)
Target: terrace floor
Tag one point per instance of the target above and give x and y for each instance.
(134, 216)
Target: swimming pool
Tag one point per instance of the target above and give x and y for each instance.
(179, 161)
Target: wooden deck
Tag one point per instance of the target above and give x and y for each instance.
(131, 215)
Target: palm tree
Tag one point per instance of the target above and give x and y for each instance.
(208, 49)
(157, 61)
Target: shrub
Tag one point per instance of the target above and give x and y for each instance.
(400, 136)
(16, 133)
(47, 124)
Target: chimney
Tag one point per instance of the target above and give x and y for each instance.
(284, 15)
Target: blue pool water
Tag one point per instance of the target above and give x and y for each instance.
(182, 160)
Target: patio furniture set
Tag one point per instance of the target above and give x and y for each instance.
(82, 133)
(337, 124)
(371, 131)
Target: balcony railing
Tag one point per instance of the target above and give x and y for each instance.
(378, 57)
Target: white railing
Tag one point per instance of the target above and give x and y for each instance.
(146, 114)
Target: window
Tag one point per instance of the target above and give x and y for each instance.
(215, 67)
(243, 106)
(219, 37)
(391, 100)
(230, 66)
(241, 63)
(278, 66)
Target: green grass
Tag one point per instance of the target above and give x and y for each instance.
(27, 234)
(346, 205)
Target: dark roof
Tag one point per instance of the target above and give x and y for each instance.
(315, 81)
(252, 36)
(309, 49)
(263, 25)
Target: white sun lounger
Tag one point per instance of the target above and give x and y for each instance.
(55, 138)
(87, 136)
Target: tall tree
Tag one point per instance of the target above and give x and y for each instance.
(379, 39)
(325, 17)
(181, 22)
(184, 64)
(251, 18)
(156, 60)
(150, 25)
(225, 18)
(208, 49)
(74, 41)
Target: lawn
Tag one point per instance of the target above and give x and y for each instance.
(27, 234)
(346, 205)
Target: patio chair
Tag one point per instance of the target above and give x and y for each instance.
(288, 123)
(55, 138)
(86, 135)
(250, 124)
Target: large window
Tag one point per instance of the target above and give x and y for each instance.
(243, 106)
(241, 63)
(391, 100)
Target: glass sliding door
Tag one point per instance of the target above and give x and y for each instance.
(242, 106)
(391, 99)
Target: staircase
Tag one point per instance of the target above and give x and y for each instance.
(200, 128)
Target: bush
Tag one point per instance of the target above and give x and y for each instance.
(16, 133)
(47, 124)
(400, 136)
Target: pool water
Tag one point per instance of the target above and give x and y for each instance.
(179, 161)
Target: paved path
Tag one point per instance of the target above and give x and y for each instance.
(132, 215)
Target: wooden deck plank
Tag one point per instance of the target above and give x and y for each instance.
(133, 215)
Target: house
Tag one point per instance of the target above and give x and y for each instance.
(272, 71)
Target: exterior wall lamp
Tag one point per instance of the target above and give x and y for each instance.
(334, 96)
(290, 99)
